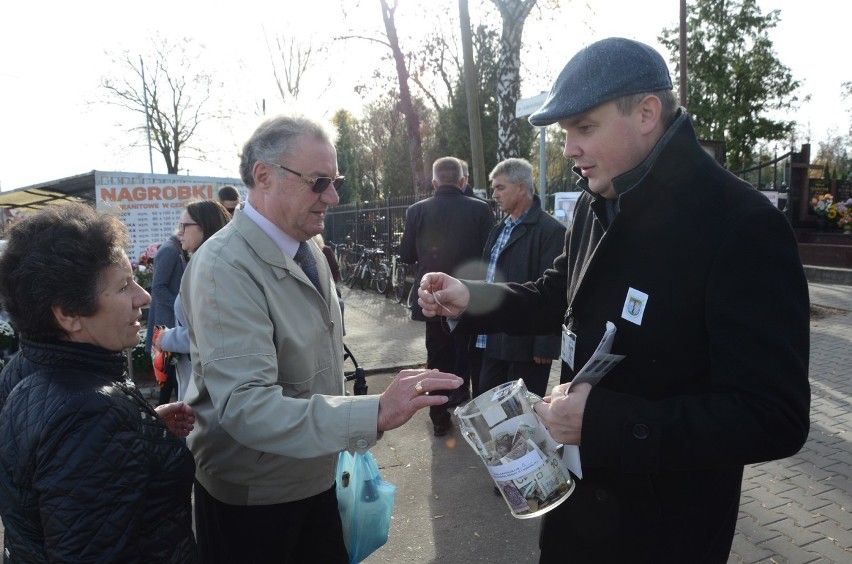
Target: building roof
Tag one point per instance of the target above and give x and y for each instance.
(79, 188)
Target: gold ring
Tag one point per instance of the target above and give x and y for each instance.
(418, 387)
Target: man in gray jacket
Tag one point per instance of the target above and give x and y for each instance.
(267, 364)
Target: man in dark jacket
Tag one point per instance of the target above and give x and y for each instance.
(518, 249)
(702, 279)
(446, 232)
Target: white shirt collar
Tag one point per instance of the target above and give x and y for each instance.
(285, 242)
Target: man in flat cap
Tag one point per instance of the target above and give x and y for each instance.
(700, 276)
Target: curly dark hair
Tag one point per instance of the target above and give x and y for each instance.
(56, 257)
(210, 215)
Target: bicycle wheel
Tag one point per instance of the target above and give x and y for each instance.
(382, 278)
(399, 282)
(343, 264)
(354, 276)
(366, 276)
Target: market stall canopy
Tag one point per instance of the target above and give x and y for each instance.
(80, 188)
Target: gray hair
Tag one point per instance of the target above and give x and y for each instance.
(517, 171)
(275, 138)
(447, 170)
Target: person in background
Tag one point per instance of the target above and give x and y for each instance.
(466, 190)
(169, 264)
(89, 472)
(267, 357)
(446, 232)
(518, 249)
(198, 222)
(701, 278)
(229, 197)
(329, 256)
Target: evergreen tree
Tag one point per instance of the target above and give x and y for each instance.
(735, 80)
(348, 159)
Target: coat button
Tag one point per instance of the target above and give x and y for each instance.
(361, 443)
(600, 495)
(640, 431)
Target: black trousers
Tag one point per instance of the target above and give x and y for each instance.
(304, 531)
(493, 372)
(447, 353)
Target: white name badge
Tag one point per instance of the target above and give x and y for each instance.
(634, 306)
(569, 343)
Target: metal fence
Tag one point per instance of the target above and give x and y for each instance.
(372, 224)
(376, 224)
(772, 176)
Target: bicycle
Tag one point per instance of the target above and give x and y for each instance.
(357, 265)
(399, 278)
(342, 253)
(375, 272)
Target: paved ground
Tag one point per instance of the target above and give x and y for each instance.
(795, 510)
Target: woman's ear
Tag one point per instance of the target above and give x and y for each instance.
(69, 323)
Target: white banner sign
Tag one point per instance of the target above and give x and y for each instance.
(151, 205)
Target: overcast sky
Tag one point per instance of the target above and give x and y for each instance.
(53, 59)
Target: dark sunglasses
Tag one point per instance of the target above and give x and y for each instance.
(319, 184)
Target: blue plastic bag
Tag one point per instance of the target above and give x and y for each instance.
(365, 502)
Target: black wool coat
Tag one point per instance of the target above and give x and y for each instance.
(445, 233)
(715, 374)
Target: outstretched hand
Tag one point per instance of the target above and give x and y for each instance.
(178, 417)
(440, 294)
(408, 392)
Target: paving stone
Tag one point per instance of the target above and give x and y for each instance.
(832, 530)
(782, 546)
(831, 552)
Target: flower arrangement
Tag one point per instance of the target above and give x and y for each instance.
(143, 269)
(839, 213)
(142, 363)
(822, 205)
(844, 215)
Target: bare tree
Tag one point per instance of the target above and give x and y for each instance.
(514, 14)
(291, 61)
(406, 104)
(169, 93)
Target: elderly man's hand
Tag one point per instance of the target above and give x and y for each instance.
(563, 414)
(409, 392)
(440, 294)
(178, 417)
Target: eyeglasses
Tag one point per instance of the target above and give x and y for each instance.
(183, 226)
(319, 184)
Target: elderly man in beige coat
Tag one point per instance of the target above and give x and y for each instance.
(267, 352)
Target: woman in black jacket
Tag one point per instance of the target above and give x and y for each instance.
(88, 470)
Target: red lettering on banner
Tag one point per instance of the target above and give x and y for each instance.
(164, 192)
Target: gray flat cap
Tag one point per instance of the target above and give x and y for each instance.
(603, 71)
